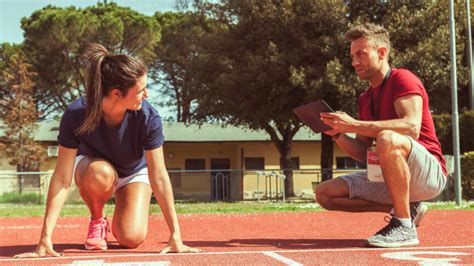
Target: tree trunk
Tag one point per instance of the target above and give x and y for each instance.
(19, 169)
(287, 166)
(327, 151)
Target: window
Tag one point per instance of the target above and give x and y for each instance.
(295, 163)
(255, 163)
(195, 164)
(175, 177)
(348, 163)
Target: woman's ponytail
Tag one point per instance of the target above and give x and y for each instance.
(105, 72)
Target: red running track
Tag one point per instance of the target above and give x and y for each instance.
(291, 238)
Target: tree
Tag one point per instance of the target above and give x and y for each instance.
(20, 117)
(178, 60)
(7, 52)
(270, 57)
(55, 37)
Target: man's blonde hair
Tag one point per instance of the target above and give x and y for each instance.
(373, 32)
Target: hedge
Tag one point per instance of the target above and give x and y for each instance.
(467, 175)
(444, 131)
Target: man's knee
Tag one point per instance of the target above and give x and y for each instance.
(322, 197)
(390, 143)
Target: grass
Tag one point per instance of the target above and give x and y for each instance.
(13, 197)
(35, 210)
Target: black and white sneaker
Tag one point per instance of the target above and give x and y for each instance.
(417, 212)
(394, 235)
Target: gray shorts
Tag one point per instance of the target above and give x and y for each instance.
(427, 179)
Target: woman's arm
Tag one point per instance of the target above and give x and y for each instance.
(57, 192)
(161, 185)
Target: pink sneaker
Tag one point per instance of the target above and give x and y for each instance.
(97, 235)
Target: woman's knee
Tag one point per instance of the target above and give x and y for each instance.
(130, 239)
(97, 173)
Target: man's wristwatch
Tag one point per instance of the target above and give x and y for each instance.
(336, 136)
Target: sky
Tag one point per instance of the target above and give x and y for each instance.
(12, 11)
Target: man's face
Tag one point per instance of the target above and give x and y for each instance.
(366, 58)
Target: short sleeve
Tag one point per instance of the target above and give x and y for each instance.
(406, 84)
(67, 137)
(155, 137)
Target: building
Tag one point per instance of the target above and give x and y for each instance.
(214, 162)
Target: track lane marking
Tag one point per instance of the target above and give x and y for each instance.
(280, 258)
(101, 263)
(101, 256)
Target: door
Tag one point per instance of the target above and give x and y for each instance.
(220, 179)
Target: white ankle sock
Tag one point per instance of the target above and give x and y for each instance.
(405, 222)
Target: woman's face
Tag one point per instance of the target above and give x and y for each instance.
(136, 94)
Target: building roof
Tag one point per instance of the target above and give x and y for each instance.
(179, 132)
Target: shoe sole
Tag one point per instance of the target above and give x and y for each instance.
(95, 247)
(414, 242)
(419, 216)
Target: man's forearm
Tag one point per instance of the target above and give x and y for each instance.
(373, 128)
(353, 147)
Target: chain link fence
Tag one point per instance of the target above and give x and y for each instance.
(197, 185)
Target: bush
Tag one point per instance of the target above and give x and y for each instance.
(444, 131)
(15, 197)
(467, 178)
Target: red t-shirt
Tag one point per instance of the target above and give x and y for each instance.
(401, 83)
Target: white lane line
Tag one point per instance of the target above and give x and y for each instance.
(101, 263)
(105, 255)
(285, 260)
(87, 262)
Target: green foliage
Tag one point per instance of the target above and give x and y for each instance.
(179, 57)
(20, 117)
(14, 197)
(466, 127)
(7, 54)
(444, 131)
(269, 57)
(467, 178)
(55, 37)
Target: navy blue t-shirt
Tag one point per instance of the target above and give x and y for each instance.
(123, 146)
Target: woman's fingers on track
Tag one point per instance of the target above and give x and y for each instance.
(54, 253)
(167, 249)
(194, 250)
(33, 254)
(183, 249)
(37, 254)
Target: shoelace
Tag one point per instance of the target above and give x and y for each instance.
(98, 228)
(390, 227)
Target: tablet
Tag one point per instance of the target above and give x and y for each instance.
(309, 114)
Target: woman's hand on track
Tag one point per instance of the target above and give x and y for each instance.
(175, 245)
(45, 248)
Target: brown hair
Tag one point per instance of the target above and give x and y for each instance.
(105, 72)
(372, 32)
